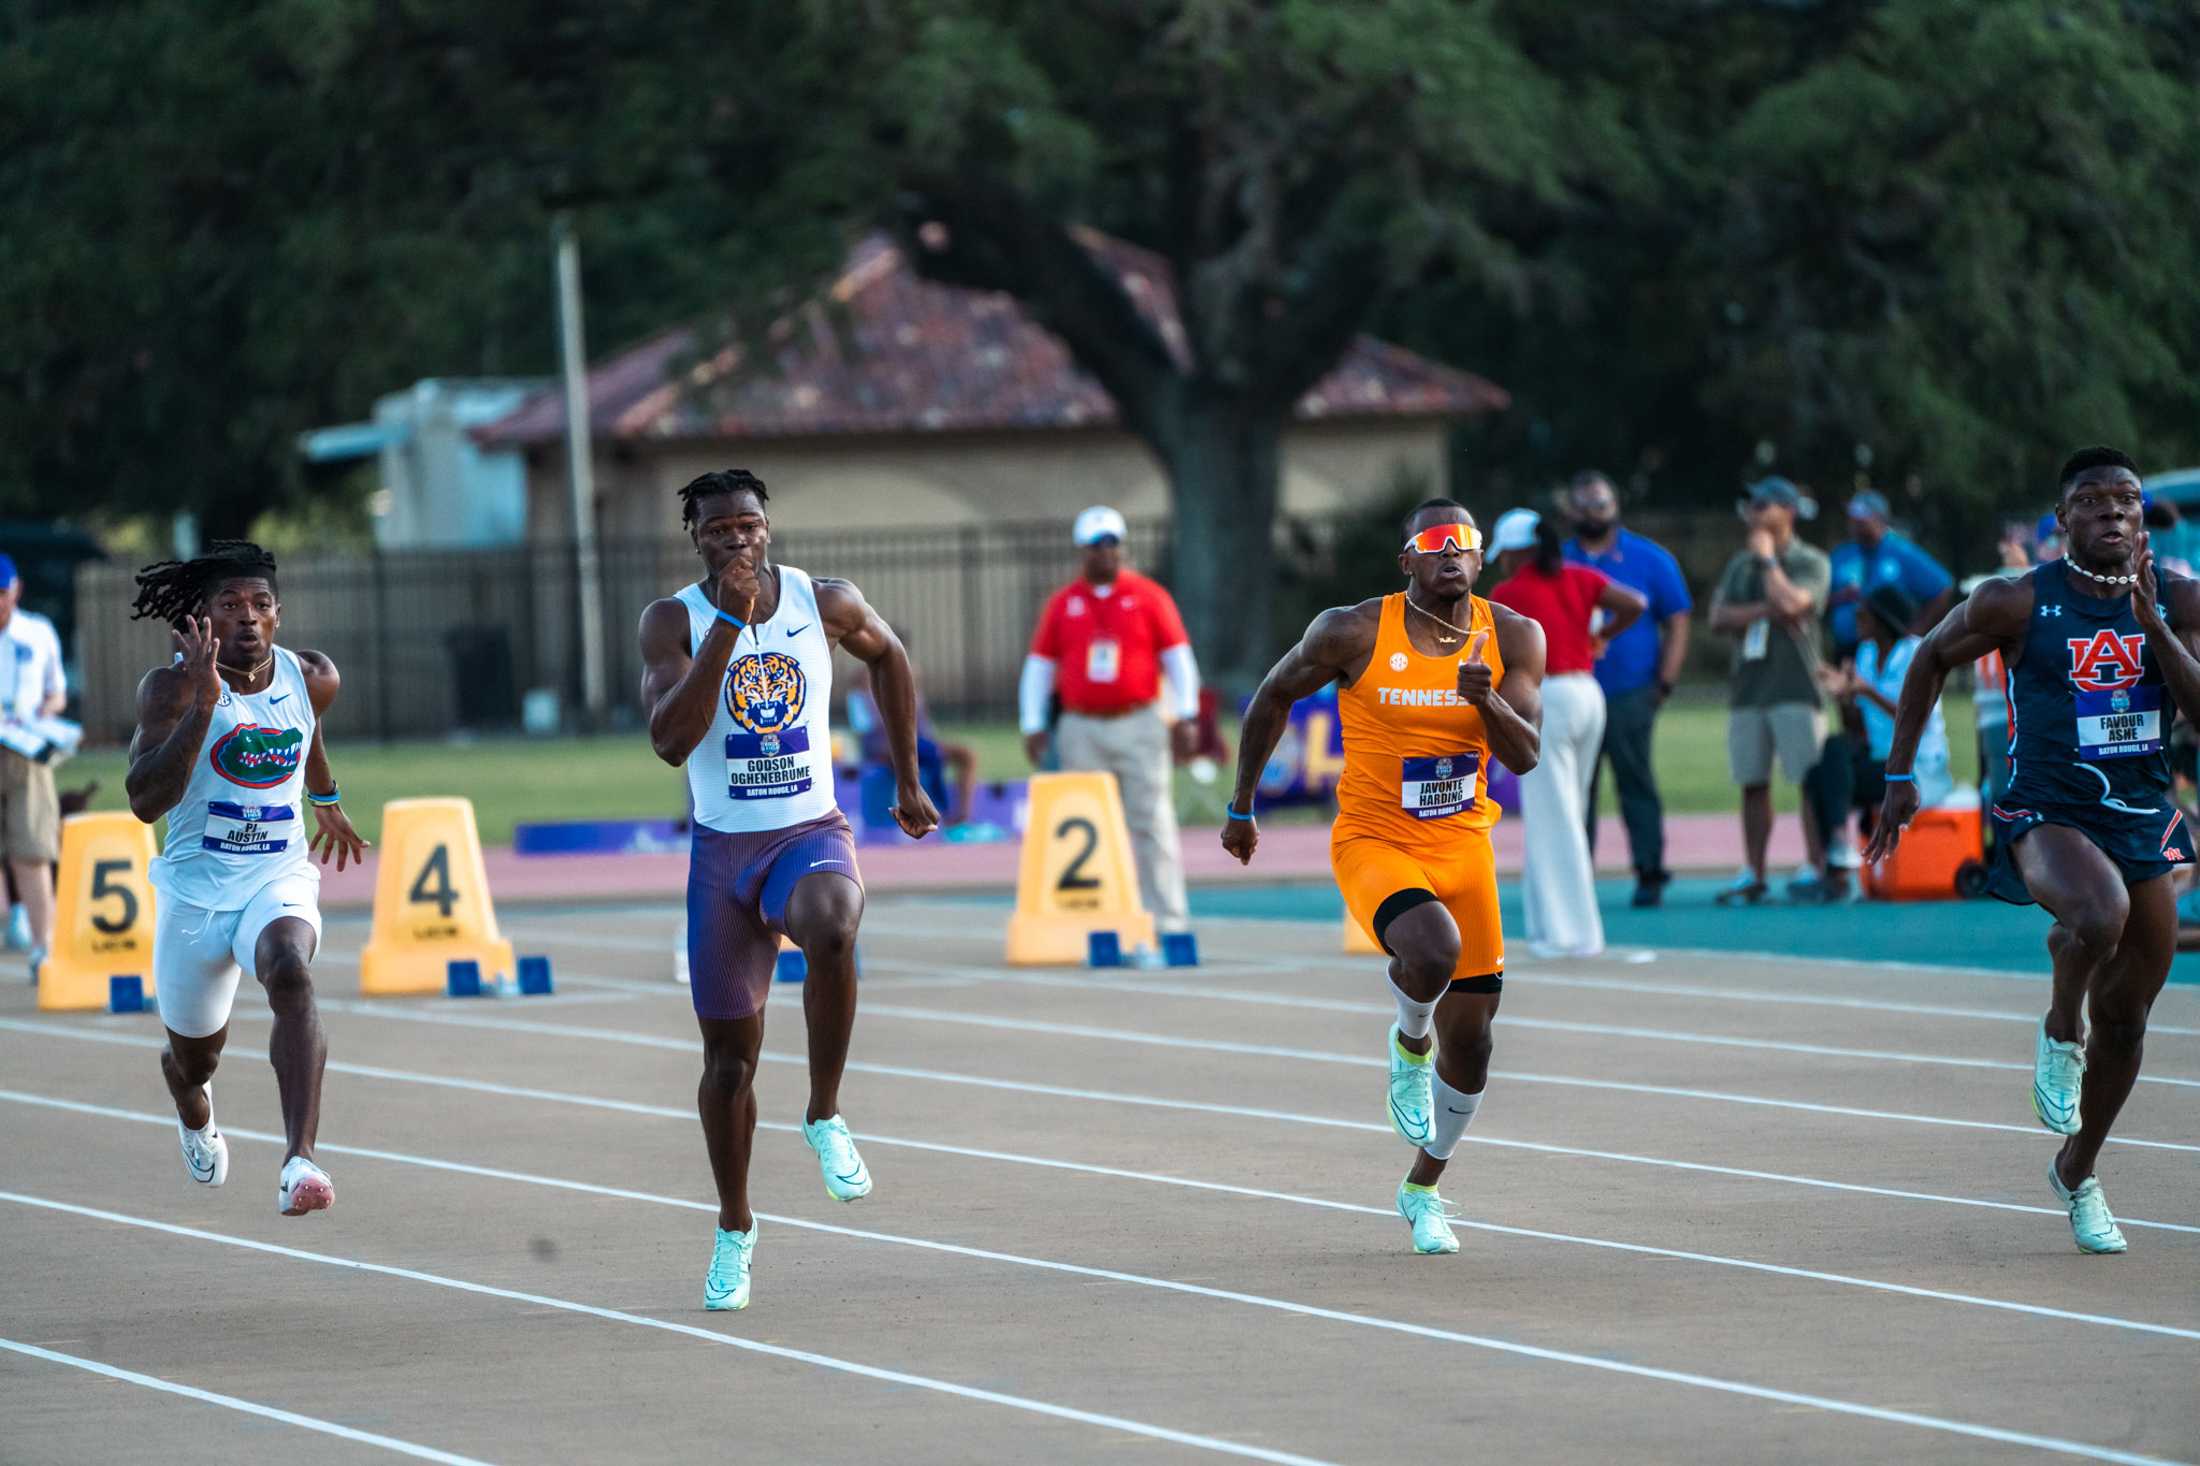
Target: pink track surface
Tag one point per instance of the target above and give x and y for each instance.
(1699, 842)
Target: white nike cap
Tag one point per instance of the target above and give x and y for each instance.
(1098, 523)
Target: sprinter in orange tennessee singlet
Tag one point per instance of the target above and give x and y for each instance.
(1433, 683)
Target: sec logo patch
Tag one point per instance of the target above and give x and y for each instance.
(1397, 661)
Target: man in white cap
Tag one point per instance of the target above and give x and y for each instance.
(1106, 642)
(31, 687)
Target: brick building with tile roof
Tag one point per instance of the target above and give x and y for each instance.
(892, 401)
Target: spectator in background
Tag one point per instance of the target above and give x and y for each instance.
(1558, 879)
(936, 759)
(1104, 642)
(1875, 554)
(2162, 518)
(1768, 599)
(1989, 699)
(1640, 665)
(1872, 684)
(31, 687)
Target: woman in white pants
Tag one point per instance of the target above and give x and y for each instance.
(1558, 883)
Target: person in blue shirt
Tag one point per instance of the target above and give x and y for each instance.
(1875, 554)
(1637, 669)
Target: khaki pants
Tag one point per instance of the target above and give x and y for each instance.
(1135, 748)
(30, 812)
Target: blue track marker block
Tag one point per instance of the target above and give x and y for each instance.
(1180, 949)
(1104, 949)
(125, 994)
(462, 978)
(792, 967)
(534, 977)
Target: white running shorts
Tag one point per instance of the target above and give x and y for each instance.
(198, 954)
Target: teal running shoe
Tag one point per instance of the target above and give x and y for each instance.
(1425, 1211)
(846, 1177)
(2058, 1077)
(2091, 1223)
(1412, 1101)
(726, 1285)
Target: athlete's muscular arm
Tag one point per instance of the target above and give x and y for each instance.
(680, 692)
(2172, 638)
(175, 705)
(1336, 646)
(332, 830)
(852, 624)
(1512, 709)
(1995, 617)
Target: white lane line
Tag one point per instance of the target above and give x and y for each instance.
(1004, 1023)
(1052, 1091)
(1387, 1214)
(246, 1407)
(1484, 1342)
(1165, 988)
(734, 1341)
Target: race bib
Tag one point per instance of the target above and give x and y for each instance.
(1103, 660)
(1436, 788)
(1755, 640)
(248, 829)
(768, 765)
(2119, 724)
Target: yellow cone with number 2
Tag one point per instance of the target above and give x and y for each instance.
(1076, 875)
(431, 901)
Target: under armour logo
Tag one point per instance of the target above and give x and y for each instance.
(2051, 610)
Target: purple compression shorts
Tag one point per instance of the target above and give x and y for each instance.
(738, 888)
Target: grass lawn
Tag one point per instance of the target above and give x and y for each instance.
(516, 779)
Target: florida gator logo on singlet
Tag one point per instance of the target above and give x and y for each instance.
(257, 757)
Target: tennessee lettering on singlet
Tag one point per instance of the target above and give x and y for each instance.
(1420, 697)
(1416, 753)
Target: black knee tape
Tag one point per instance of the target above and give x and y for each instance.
(1395, 905)
(1488, 982)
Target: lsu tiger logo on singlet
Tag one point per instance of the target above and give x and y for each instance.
(766, 692)
(257, 757)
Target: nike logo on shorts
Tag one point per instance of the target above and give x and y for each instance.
(816, 863)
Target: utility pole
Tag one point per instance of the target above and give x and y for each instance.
(580, 476)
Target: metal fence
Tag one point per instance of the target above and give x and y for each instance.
(432, 641)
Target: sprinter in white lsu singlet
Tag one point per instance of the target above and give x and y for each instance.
(738, 674)
(229, 747)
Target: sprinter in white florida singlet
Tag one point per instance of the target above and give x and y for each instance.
(738, 673)
(229, 748)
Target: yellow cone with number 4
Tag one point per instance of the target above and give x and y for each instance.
(103, 911)
(431, 901)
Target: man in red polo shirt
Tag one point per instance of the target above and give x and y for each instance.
(1105, 642)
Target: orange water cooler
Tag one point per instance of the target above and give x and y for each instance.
(1942, 857)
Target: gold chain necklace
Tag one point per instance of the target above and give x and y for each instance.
(1440, 621)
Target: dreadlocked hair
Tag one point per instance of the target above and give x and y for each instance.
(723, 481)
(175, 589)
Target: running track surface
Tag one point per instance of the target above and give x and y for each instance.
(1716, 1208)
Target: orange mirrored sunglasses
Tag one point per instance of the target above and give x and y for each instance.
(1438, 537)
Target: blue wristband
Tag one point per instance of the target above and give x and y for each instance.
(1899, 778)
(324, 800)
(1231, 811)
(731, 620)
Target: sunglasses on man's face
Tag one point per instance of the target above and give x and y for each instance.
(1437, 538)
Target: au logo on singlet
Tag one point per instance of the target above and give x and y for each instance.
(2106, 662)
(257, 757)
(766, 693)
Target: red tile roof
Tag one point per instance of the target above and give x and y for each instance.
(885, 351)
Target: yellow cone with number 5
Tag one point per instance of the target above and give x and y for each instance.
(103, 911)
(431, 901)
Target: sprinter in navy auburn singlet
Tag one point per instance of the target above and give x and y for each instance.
(2100, 657)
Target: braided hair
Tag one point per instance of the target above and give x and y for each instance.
(175, 589)
(723, 481)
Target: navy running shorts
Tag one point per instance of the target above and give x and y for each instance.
(738, 889)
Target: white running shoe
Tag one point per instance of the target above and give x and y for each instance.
(2092, 1225)
(1412, 1099)
(2058, 1079)
(305, 1187)
(726, 1285)
(1425, 1210)
(846, 1177)
(205, 1153)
